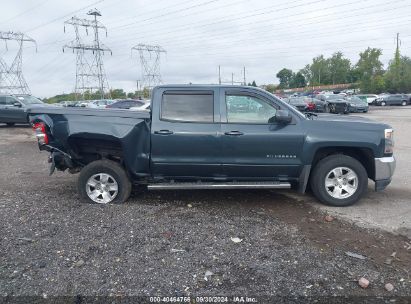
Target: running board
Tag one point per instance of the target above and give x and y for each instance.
(237, 185)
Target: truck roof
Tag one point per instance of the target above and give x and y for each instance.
(185, 86)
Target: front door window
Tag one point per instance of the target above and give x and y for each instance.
(248, 109)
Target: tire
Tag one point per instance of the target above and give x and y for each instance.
(10, 124)
(403, 103)
(383, 103)
(111, 183)
(323, 171)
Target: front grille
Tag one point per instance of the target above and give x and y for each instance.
(339, 107)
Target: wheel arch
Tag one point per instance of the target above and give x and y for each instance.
(364, 155)
(93, 148)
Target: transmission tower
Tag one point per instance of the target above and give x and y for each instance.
(11, 77)
(150, 64)
(90, 74)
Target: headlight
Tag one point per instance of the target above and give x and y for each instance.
(389, 141)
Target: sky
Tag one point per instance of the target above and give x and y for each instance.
(199, 35)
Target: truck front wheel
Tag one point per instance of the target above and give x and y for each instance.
(103, 182)
(339, 180)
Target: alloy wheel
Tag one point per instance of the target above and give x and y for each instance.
(102, 188)
(341, 182)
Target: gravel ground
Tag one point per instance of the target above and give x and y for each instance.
(178, 243)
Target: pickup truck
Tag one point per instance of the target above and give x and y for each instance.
(192, 139)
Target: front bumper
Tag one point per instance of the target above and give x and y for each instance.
(358, 109)
(384, 170)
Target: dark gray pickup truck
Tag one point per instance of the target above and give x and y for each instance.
(197, 137)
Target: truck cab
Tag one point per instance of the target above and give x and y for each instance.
(200, 132)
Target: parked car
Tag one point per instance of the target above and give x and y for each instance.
(337, 104)
(191, 140)
(357, 105)
(83, 103)
(308, 104)
(239, 104)
(369, 98)
(66, 104)
(13, 108)
(298, 103)
(320, 105)
(145, 107)
(392, 100)
(126, 104)
(100, 104)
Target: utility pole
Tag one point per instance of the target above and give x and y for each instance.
(11, 77)
(232, 81)
(150, 64)
(90, 74)
(319, 76)
(397, 62)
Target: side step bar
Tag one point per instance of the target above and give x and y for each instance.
(237, 185)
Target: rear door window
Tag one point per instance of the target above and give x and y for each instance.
(188, 106)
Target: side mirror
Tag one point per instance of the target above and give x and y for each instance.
(282, 117)
(17, 104)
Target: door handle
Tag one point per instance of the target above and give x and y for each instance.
(163, 132)
(234, 133)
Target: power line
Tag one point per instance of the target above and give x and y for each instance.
(61, 17)
(286, 50)
(264, 12)
(166, 14)
(184, 38)
(278, 18)
(341, 31)
(153, 11)
(25, 12)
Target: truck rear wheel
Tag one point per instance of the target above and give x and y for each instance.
(339, 180)
(103, 182)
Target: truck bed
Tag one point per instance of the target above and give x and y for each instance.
(90, 112)
(86, 133)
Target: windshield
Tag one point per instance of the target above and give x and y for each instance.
(357, 100)
(334, 97)
(28, 100)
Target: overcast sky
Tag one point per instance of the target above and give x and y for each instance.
(198, 35)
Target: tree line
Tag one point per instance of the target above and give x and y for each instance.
(114, 94)
(368, 73)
